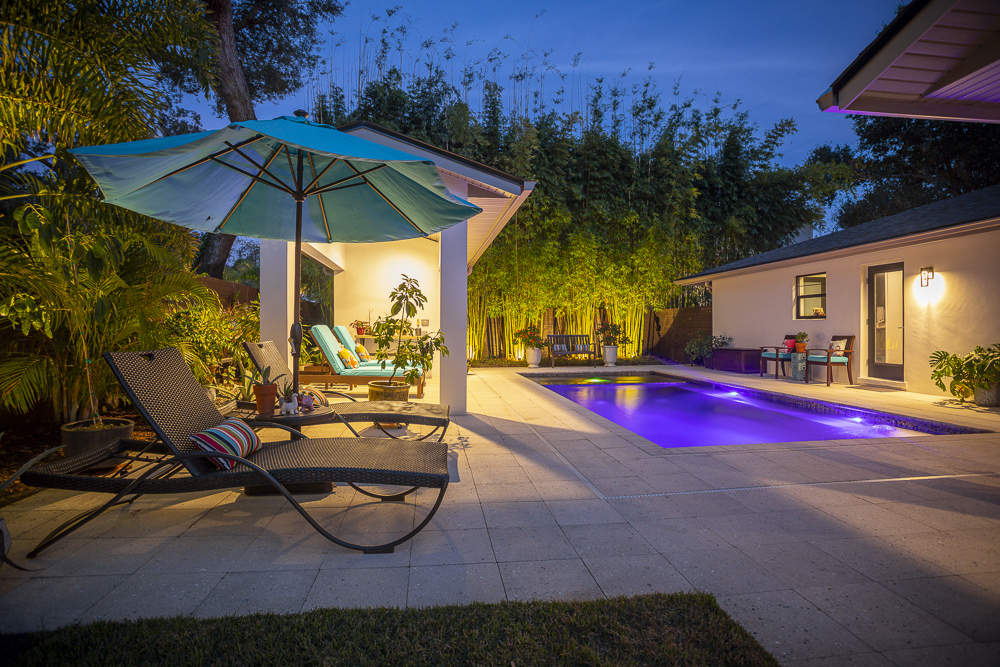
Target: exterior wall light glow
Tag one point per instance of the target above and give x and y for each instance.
(926, 276)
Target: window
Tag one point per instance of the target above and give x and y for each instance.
(810, 297)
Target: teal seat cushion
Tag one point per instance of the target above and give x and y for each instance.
(822, 359)
(374, 371)
(786, 356)
(329, 345)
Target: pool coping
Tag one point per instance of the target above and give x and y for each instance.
(926, 426)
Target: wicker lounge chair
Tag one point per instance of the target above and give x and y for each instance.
(265, 354)
(330, 346)
(169, 397)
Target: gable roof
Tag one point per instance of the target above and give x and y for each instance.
(979, 206)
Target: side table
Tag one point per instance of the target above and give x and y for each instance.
(798, 364)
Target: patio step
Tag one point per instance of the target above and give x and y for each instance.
(882, 383)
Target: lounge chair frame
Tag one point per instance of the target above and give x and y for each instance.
(265, 354)
(351, 381)
(169, 397)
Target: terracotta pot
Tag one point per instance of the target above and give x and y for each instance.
(77, 439)
(800, 347)
(361, 330)
(383, 390)
(266, 394)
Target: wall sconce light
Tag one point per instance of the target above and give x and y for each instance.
(926, 276)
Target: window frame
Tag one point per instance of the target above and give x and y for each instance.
(799, 298)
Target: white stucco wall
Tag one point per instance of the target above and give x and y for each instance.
(373, 270)
(960, 309)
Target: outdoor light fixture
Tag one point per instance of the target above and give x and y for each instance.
(926, 276)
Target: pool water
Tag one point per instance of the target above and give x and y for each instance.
(683, 414)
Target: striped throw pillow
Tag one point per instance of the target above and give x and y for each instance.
(230, 437)
(318, 397)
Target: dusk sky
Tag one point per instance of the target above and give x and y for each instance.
(777, 56)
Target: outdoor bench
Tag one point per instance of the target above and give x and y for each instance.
(563, 345)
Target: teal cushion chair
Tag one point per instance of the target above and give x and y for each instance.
(833, 357)
(331, 347)
(777, 354)
(343, 335)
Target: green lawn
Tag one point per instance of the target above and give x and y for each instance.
(675, 629)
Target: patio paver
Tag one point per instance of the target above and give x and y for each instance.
(804, 543)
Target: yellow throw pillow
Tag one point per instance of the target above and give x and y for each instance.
(348, 358)
(362, 353)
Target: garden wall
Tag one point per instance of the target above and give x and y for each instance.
(672, 329)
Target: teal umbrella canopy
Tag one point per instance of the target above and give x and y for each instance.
(287, 179)
(244, 180)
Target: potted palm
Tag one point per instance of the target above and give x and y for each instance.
(609, 337)
(975, 376)
(413, 355)
(532, 342)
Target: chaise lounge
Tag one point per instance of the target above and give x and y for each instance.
(169, 397)
(352, 377)
(265, 354)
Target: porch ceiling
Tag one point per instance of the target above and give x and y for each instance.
(939, 59)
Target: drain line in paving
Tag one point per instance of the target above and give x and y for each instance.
(786, 486)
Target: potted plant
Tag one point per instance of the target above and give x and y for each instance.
(265, 390)
(700, 348)
(976, 375)
(609, 337)
(288, 403)
(532, 342)
(360, 326)
(801, 338)
(414, 355)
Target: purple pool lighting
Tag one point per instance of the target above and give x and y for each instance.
(679, 414)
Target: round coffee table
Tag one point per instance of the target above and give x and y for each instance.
(320, 415)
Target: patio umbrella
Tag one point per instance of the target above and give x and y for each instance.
(287, 179)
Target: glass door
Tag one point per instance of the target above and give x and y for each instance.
(885, 322)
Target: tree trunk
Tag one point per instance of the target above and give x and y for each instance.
(235, 95)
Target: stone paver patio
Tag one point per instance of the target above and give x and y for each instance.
(866, 552)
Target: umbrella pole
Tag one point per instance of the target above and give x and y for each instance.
(296, 333)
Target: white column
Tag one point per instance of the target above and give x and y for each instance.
(277, 293)
(454, 310)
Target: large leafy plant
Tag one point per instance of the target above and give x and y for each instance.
(413, 354)
(611, 334)
(980, 369)
(67, 296)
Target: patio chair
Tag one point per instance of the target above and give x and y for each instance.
(353, 377)
(265, 354)
(345, 338)
(169, 397)
(777, 354)
(832, 357)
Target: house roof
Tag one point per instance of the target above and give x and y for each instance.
(964, 214)
(497, 193)
(938, 59)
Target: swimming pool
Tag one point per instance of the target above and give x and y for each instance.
(688, 414)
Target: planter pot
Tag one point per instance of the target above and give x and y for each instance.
(533, 355)
(987, 398)
(383, 390)
(610, 354)
(78, 440)
(800, 347)
(266, 395)
(361, 330)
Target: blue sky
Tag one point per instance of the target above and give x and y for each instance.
(777, 56)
